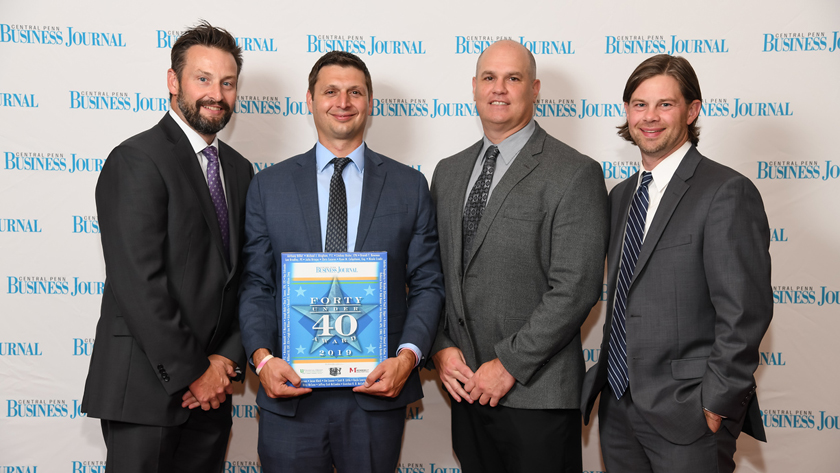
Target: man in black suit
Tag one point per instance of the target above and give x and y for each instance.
(170, 202)
(385, 206)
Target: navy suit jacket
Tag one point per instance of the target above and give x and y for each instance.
(397, 216)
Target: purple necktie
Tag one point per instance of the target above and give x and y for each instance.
(217, 195)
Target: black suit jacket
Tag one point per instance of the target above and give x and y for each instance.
(396, 216)
(170, 295)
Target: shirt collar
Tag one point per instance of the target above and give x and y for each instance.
(323, 156)
(510, 147)
(664, 171)
(196, 141)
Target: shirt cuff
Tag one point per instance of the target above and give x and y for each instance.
(413, 348)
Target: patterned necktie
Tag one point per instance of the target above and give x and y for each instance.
(336, 239)
(477, 200)
(617, 373)
(214, 182)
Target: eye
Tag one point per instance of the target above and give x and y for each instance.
(227, 83)
(202, 79)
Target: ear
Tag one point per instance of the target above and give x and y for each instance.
(693, 111)
(309, 100)
(536, 86)
(473, 88)
(172, 82)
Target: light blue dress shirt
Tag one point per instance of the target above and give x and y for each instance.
(353, 175)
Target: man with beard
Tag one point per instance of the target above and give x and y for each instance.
(170, 203)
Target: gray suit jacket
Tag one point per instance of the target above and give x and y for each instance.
(536, 268)
(699, 303)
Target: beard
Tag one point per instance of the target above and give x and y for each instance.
(199, 123)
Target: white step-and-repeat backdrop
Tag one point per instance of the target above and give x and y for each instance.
(79, 77)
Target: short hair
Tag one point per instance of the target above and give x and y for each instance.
(532, 62)
(341, 59)
(674, 66)
(204, 34)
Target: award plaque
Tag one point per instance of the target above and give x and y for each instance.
(335, 316)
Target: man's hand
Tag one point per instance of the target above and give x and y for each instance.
(712, 420)
(389, 377)
(275, 373)
(210, 389)
(453, 371)
(221, 365)
(490, 383)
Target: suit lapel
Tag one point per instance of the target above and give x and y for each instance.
(187, 160)
(673, 194)
(373, 181)
(464, 163)
(306, 182)
(524, 164)
(232, 194)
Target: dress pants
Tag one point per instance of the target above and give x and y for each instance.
(508, 440)
(629, 444)
(330, 429)
(196, 446)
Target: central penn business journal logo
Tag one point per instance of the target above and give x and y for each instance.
(798, 170)
(19, 469)
(538, 47)
(422, 468)
(660, 44)
(164, 39)
(43, 408)
(117, 101)
(86, 466)
(363, 45)
(18, 100)
(242, 466)
(55, 36)
(50, 162)
(800, 419)
(809, 295)
(800, 42)
(53, 286)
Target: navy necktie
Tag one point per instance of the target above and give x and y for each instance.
(477, 200)
(336, 239)
(214, 182)
(617, 372)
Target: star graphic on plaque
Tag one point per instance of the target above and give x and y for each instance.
(300, 291)
(346, 307)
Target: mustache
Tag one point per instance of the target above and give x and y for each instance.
(208, 102)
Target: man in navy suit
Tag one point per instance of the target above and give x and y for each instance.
(387, 208)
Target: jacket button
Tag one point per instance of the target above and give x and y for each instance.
(461, 322)
(160, 367)
(165, 378)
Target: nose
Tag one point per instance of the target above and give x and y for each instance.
(499, 86)
(343, 100)
(214, 91)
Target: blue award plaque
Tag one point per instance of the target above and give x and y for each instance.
(335, 316)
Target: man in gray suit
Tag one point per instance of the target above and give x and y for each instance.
(689, 292)
(523, 221)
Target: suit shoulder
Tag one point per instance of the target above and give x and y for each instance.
(402, 170)
(712, 171)
(281, 169)
(556, 148)
(231, 154)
